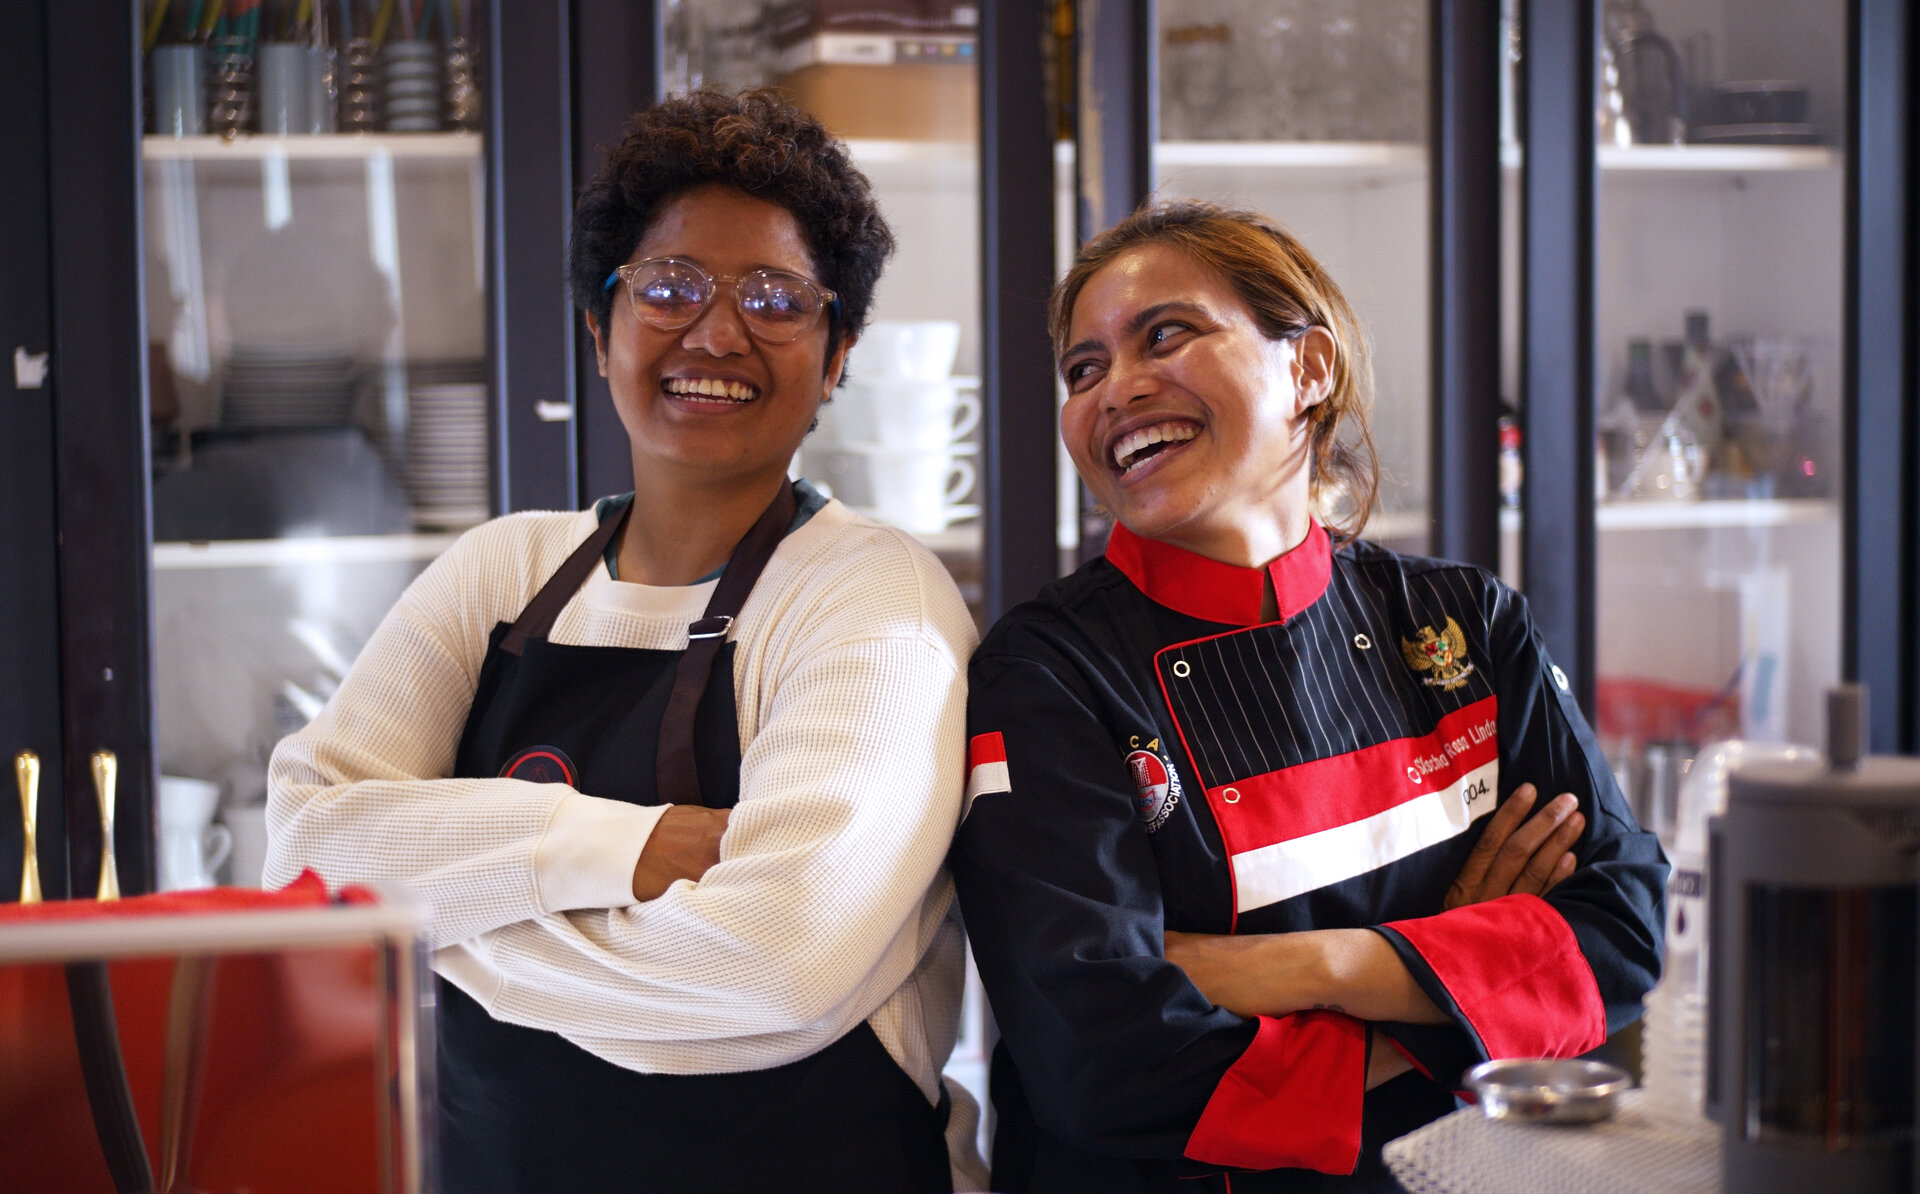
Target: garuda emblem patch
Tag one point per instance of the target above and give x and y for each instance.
(1443, 654)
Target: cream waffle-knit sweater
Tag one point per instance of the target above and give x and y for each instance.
(830, 903)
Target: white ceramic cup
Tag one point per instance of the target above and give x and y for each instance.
(285, 87)
(920, 492)
(191, 846)
(917, 350)
(900, 415)
(924, 416)
(179, 90)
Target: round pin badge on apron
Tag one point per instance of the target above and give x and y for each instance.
(523, 1109)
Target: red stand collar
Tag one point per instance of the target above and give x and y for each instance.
(1216, 592)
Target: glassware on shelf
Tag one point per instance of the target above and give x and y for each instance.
(1397, 30)
(411, 76)
(283, 90)
(1778, 439)
(1197, 73)
(732, 44)
(1336, 96)
(1282, 41)
(461, 79)
(1293, 70)
(230, 86)
(359, 87)
(179, 89)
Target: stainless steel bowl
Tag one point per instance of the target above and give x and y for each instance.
(1547, 1091)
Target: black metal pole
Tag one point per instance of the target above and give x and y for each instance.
(99, 382)
(1116, 99)
(1556, 338)
(615, 74)
(29, 578)
(530, 346)
(1465, 480)
(1115, 122)
(1017, 247)
(1881, 399)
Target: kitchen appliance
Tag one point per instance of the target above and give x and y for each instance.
(1810, 1009)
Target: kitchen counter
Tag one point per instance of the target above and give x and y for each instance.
(1638, 1151)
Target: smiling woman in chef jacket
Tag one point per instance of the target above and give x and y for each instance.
(1232, 865)
(690, 913)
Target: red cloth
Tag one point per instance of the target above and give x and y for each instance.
(308, 891)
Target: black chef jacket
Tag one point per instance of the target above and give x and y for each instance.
(1147, 754)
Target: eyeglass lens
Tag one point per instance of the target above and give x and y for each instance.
(777, 307)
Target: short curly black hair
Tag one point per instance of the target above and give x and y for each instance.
(755, 142)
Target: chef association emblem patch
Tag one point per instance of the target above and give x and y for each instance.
(541, 765)
(1444, 654)
(1156, 786)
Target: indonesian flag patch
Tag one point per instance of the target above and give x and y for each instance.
(986, 769)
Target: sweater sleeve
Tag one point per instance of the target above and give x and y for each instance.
(361, 795)
(1526, 976)
(1118, 1051)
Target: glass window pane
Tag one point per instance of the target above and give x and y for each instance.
(1720, 243)
(1314, 112)
(314, 202)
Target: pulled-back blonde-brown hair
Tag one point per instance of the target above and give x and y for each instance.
(1287, 292)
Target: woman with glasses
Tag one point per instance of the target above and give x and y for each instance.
(1232, 866)
(690, 913)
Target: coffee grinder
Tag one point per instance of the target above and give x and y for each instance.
(1810, 1004)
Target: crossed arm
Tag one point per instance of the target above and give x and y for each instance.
(1355, 970)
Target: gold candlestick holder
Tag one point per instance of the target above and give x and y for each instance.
(26, 773)
(106, 771)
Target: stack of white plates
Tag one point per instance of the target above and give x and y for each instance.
(447, 453)
(413, 86)
(278, 387)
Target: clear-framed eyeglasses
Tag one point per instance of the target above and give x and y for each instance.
(777, 307)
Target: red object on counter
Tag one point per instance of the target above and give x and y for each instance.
(293, 1079)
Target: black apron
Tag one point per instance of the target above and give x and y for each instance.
(523, 1109)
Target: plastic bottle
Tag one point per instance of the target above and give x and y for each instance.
(1673, 1039)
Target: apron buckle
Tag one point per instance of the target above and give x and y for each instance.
(711, 627)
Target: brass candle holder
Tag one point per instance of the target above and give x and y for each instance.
(106, 771)
(26, 773)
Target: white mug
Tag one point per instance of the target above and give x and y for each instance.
(920, 492)
(921, 415)
(283, 77)
(191, 846)
(899, 415)
(916, 350)
(188, 859)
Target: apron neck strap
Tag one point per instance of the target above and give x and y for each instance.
(677, 779)
(537, 620)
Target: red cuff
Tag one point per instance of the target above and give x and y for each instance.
(1293, 1100)
(1514, 968)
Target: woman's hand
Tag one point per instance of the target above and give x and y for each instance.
(683, 844)
(1384, 1062)
(1273, 974)
(1518, 854)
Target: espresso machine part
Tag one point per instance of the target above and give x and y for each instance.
(1810, 1007)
